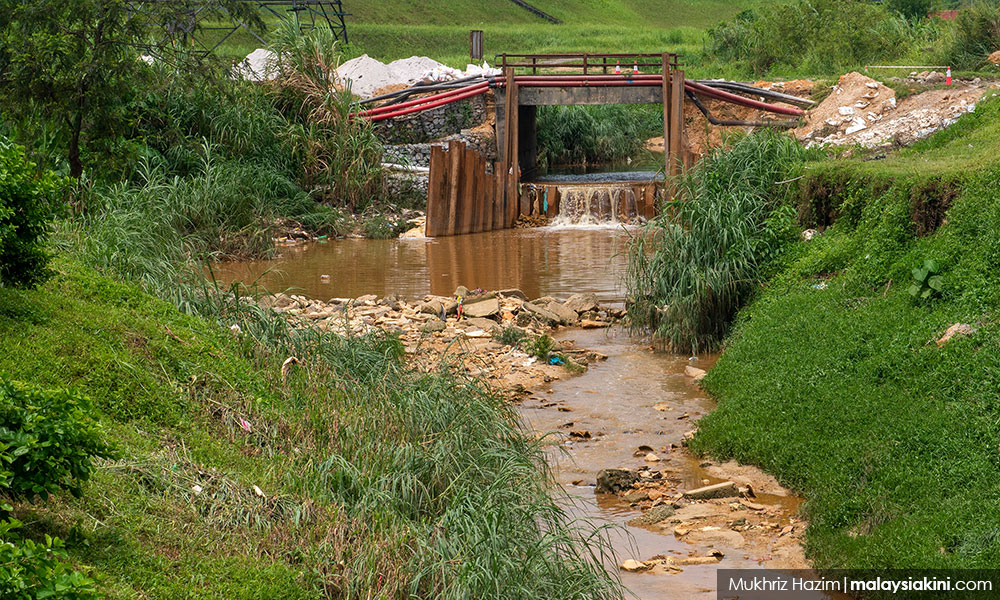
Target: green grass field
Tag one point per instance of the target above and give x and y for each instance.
(832, 379)
(440, 28)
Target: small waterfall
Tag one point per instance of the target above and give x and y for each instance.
(595, 205)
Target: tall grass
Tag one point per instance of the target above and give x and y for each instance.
(580, 134)
(816, 37)
(698, 262)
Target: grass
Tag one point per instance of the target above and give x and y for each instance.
(351, 477)
(595, 134)
(698, 262)
(832, 379)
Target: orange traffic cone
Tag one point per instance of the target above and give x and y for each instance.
(947, 79)
(635, 67)
(618, 68)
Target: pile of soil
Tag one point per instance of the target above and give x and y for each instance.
(856, 103)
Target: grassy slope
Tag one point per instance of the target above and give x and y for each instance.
(363, 464)
(394, 29)
(841, 392)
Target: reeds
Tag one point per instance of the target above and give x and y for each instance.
(697, 263)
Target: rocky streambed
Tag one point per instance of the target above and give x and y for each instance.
(618, 430)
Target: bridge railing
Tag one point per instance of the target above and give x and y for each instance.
(587, 63)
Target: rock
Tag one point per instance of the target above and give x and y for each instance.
(654, 516)
(726, 489)
(636, 496)
(809, 234)
(432, 326)
(482, 308)
(513, 293)
(935, 77)
(633, 566)
(610, 481)
(958, 329)
(542, 313)
(431, 307)
(543, 300)
(695, 373)
(566, 316)
(478, 323)
(590, 324)
(365, 299)
(581, 302)
(651, 458)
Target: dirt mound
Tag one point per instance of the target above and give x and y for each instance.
(856, 103)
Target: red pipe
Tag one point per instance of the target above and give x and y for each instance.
(733, 98)
(578, 83)
(622, 77)
(435, 104)
(409, 103)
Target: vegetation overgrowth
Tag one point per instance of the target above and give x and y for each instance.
(595, 134)
(836, 380)
(700, 261)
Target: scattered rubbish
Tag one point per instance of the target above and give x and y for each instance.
(244, 425)
(287, 366)
(958, 329)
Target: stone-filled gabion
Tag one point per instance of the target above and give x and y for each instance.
(434, 123)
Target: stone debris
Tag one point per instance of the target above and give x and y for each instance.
(695, 373)
(862, 111)
(726, 489)
(430, 327)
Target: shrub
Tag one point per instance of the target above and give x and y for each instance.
(813, 36)
(977, 35)
(48, 439)
(911, 9)
(28, 203)
(577, 134)
(699, 261)
(31, 570)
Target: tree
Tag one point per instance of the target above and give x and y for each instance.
(28, 202)
(77, 61)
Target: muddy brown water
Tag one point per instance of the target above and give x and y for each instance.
(614, 401)
(555, 261)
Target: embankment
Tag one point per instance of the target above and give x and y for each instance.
(841, 383)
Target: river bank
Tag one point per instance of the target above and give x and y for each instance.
(617, 416)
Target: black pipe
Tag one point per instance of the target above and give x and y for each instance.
(737, 122)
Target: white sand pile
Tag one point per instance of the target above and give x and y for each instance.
(259, 65)
(364, 74)
(411, 70)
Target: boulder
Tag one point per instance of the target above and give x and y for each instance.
(654, 515)
(513, 293)
(581, 302)
(434, 306)
(695, 373)
(726, 489)
(482, 308)
(461, 291)
(610, 481)
(541, 313)
(566, 315)
(432, 326)
(478, 323)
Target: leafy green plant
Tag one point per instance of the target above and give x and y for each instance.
(32, 570)
(48, 439)
(540, 347)
(927, 281)
(579, 134)
(28, 203)
(509, 335)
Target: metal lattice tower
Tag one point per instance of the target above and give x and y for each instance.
(204, 25)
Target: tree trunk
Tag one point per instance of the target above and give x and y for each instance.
(75, 164)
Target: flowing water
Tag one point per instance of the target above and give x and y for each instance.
(555, 261)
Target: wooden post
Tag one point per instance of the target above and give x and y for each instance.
(455, 152)
(498, 190)
(676, 123)
(467, 212)
(510, 153)
(552, 198)
(485, 214)
(437, 213)
(667, 95)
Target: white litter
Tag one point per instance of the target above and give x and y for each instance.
(259, 65)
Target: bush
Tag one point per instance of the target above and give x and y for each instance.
(977, 35)
(32, 571)
(814, 37)
(911, 9)
(28, 203)
(578, 134)
(47, 439)
(699, 261)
